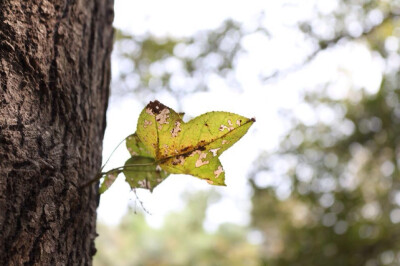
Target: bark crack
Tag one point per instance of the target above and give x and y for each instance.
(53, 70)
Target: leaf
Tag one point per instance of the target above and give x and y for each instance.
(109, 179)
(138, 175)
(193, 147)
(136, 147)
(164, 144)
(143, 172)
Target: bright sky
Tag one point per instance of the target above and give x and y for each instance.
(262, 101)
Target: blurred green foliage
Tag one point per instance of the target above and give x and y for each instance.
(334, 198)
(179, 66)
(182, 240)
(330, 195)
(338, 199)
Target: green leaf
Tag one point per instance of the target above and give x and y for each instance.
(109, 179)
(193, 147)
(136, 147)
(143, 172)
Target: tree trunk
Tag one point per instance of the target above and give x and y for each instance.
(54, 86)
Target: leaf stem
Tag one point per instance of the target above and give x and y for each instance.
(119, 169)
(109, 157)
(96, 178)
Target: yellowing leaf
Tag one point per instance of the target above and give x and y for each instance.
(193, 147)
(164, 144)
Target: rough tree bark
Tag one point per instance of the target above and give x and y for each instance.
(54, 86)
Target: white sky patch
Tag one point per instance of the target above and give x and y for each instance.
(180, 17)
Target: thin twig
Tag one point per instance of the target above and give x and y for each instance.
(95, 179)
(109, 157)
(325, 45)
(119, 169)
(141, 203)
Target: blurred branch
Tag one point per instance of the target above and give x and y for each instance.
(327, 44)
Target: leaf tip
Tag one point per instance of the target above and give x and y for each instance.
(221, 184)
(216, 183)
(156, 107)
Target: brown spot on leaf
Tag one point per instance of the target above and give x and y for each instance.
(178, 160)
(176, 129)
(223, 127)
(214, 151)
(190, 150)
(147, 123)
(162, 117)
(144, 184)
(110, 178)
(149, 111)
(166, 149)
(194, 152)
(185, 149)
(132, 152)
(156, 107)
(200, 161)
(218, 171)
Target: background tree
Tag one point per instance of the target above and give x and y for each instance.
(335, 199)
(54, 80)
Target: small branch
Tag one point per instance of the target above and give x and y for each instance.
(325, 45)
(95, 179)
(118, 169)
